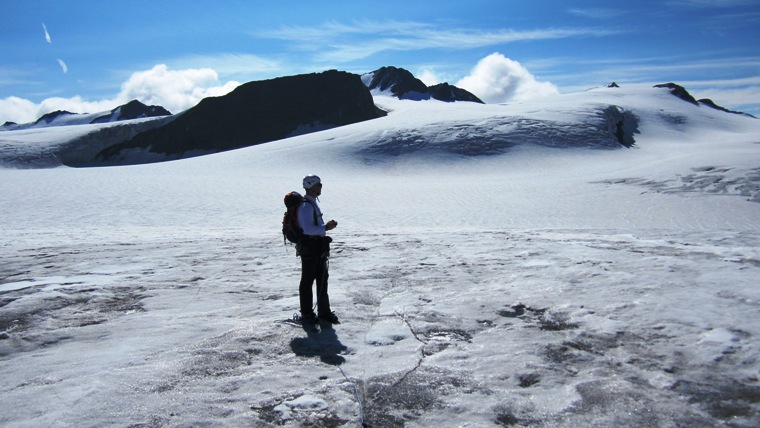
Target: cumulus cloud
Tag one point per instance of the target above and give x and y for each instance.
(73, 104)
(20, 110)
(429, 77)
(15, 109)
(175, 90)
(498, 79)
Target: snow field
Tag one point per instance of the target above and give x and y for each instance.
(558, 326)
(538, 286)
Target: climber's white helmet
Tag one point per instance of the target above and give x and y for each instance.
(310, 181)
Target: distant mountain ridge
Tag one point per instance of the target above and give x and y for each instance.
(403, 85)
(681, 92)
(131, 110)
(254, 113)
(263, 111)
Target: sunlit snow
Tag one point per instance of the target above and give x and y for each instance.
(520, 285)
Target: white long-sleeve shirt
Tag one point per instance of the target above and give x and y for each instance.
(306, 218)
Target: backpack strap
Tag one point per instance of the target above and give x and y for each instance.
(313, 209)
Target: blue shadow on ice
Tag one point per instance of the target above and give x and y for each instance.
(323, 344)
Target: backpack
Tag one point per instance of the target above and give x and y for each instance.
(291, 230)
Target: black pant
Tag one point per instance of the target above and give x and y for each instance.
(314, 269)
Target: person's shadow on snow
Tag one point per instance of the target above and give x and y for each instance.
(322, 343)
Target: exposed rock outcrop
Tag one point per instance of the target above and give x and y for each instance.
(709, 103)
(403, 85)
(683, 94)
(448, 93)
(255, 113)
(679, 91)
(132, 110)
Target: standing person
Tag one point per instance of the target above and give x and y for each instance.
(314, 249)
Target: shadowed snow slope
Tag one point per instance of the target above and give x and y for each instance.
(599, 119)
(488, 270)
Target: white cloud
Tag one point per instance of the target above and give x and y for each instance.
(731, 97)
(329, 43)
(64, 67)
(726, 83)
(710, 3)
(429, 77)
(75, 105)
(175, 90)
(15, 109)
(20, 110)
(47, 35)
(498, 79)
(596, 13)
(738, 94)
(229, 64)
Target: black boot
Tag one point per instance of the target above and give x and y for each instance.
(329, 317)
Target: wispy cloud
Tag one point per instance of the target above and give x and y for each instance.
(368, 38)
(47, 34)
(642, 69)
(662, 68)
(740, 93)
(15, 76)
(597, 13)
(726, 83)
(64, 67)
(228, 64)
(727, 23)
(711, 3)
(742, 99)
(330, 30)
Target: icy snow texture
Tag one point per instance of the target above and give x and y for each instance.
(535, 287)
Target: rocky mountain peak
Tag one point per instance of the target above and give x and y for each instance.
(402, 84)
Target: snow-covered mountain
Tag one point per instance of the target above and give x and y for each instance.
(402, 84)
(494, 265)
(266, 111)
(253, 113)
(683, 94)
(131, 110)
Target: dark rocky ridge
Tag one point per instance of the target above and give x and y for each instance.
(683, 94)
(132, 110)
(259, 112)
(52, 116)
(400, 82)
(449, 93)
(710, 103)
(679, 91)
(403, 85)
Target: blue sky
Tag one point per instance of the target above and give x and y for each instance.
(88, 56)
